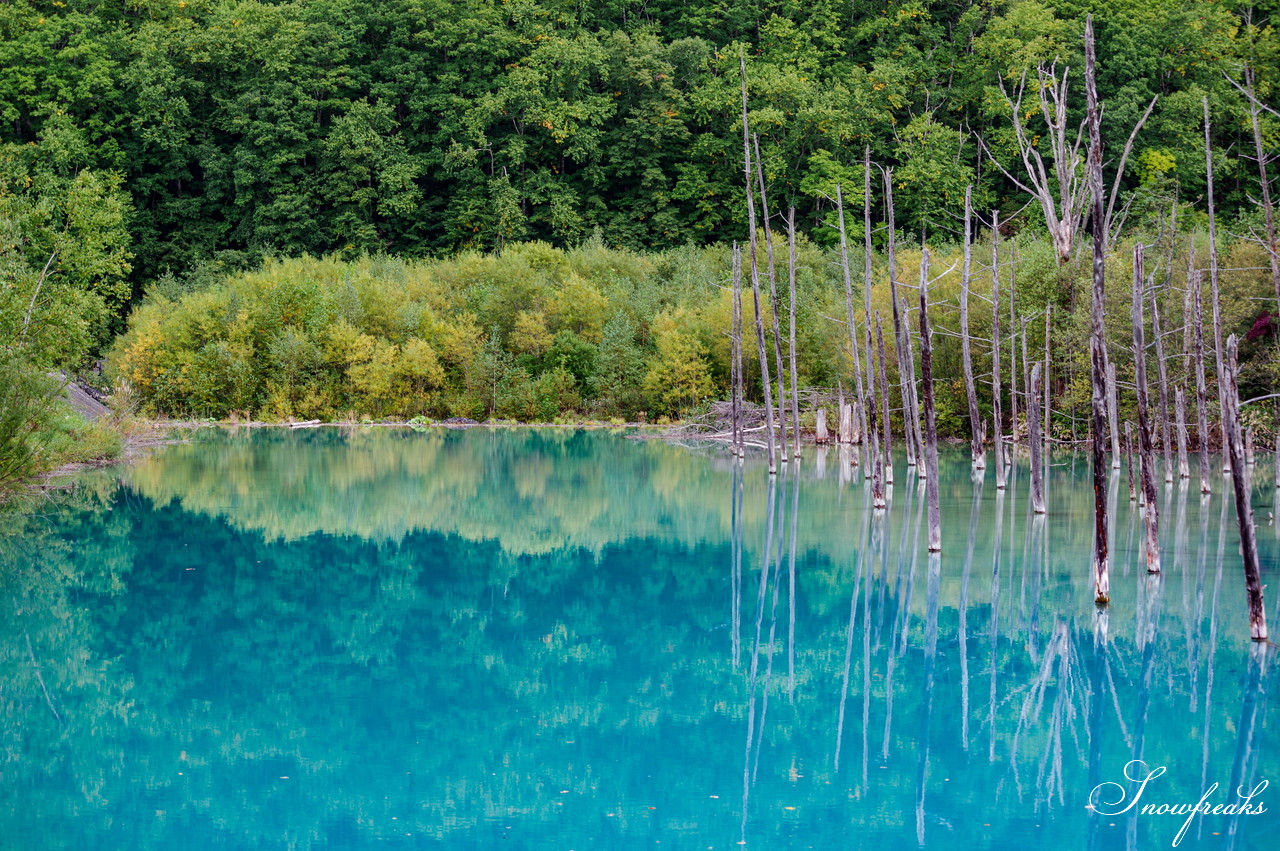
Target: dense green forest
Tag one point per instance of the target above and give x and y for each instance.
(157, 152)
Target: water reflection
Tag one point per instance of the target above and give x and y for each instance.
(483, 638)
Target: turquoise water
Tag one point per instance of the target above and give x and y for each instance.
(553, 639)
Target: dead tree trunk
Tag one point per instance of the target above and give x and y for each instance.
(1048, 379)
(1180, 401)
(791, 279)
(853, 328)
(886, 437)
(755, 273)
(773, 300)
(912, 397)
(1128, 460)
(1162, 373)
(1202, 406)
(1244, 502)
(976, 447)
(820, 434)
(930, 419)
(1014, 383)
(1151, 517)
(1268, 211)
(1113, 409)
(736, 356)
(997, 447)
(897, 320)
(1213, 282)
(1101, 566)
(866, 276)
(1033, 439)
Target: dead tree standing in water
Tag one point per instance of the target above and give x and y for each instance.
(997, 447)
(1202, 404)
(1151, 514)
(755, 276)
(1101, 565)
(853, 328)
(1244, 504)
(976, 440)
(1213, 284)
(886, 438)
(1033, 439)
(773, 300)
(905, 363)
(930, 421)
(791, 275)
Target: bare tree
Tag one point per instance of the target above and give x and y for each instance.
(1151, 515)
(1060, 187)
(1244, 503)
(930, 420)
(976, 440)
(1101, 566)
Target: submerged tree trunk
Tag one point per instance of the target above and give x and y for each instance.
(1180, 402)
(1162, 373)
(853, 328)
(997, 447)
(1244, 504)
(897, 322)
(1113, 407)
(791, 278)
(1033, 439)
(870, 387)
(1151, 516)
(736, 357)
(930, 420)
(773, 301)
(1202, 412)
(886, 437)
(755, 274)
(976, 444)
(1213, 285)
(1101, 566)
(912, 398)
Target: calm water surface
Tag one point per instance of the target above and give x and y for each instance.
(548, 639)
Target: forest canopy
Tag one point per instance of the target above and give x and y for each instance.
(235, 129)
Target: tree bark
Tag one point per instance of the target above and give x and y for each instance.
(1101, 565)
(1151, 516)
(1244, 503)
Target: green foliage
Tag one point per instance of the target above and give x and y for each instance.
(425, 127)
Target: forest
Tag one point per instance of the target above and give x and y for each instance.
(524, 210)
